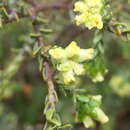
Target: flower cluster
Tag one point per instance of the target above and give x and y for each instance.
(120, 85)
(88, 109)
(89, 13)
(69, 61)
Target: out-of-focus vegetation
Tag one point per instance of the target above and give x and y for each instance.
(22, 88)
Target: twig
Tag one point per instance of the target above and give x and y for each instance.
(37, 7)
(49, 80)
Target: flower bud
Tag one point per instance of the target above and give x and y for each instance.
(94, 3)
(66, 77)
(72, 50)
(65, 66)
(99, 78)
(85, 54)
(80, 6)
(101, 116)
(57, 53)
(78, 69)
(88, 122)
(98, 98)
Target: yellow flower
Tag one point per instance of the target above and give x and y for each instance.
(80, 6)
(72, 50)
(124, 90)
(68, 77)
(85, 54)
(57, 53)
(101, 116)
(94, 21)
(80, 19)
(116, 81)
(65, 66)
(68, 61)
(120, 86)
(89, 13)
(94, 3)
(78, 68)
(88, 122)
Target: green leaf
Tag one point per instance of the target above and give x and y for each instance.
(35, 35)
(45, 31)
(49, 113)
(82, 98)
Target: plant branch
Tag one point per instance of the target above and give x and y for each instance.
(49, 80)
(37, 7)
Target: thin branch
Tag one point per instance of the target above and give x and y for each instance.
(49, 76)
(36, 9)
